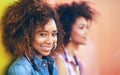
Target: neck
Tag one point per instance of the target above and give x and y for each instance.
(38, 54)
(71, 48)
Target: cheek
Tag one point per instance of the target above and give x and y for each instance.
(38, 40)
(55, 39)
(76, 33)
(82, 32)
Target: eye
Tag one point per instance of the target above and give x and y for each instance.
(43, 34)
(54, 34)
(81, 27)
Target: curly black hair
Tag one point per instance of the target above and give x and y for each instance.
(68, 13)
(20, 21)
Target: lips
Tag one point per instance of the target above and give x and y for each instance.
(46, 48)
(84, 38)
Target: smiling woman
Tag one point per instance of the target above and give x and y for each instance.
(45, 39)
(31, 33)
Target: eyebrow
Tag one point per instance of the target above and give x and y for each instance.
(47, 31)
(84, 24)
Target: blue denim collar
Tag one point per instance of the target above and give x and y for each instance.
(46, 62)
(45, 59)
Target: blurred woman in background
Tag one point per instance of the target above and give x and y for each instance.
(75, 19)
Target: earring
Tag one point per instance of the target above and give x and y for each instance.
(27, 57)
(55, 45)
(70, 39)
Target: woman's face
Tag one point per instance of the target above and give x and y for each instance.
(79, 31)
(45, 39)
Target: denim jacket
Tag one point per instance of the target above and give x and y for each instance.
(44, 66)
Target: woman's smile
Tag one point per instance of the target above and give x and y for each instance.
(46, 48)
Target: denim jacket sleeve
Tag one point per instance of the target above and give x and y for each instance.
(18, 70)
(20, 67)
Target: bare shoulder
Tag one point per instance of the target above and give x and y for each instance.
(61, 66)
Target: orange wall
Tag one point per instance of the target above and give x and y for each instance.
(101, 55)
(109, 39)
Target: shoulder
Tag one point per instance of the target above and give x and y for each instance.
(20, 67)
(60, 63)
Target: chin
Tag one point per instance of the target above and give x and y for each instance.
(46, 54)
(83, 43)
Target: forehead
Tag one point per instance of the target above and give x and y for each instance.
(81, 21)
(49, 26)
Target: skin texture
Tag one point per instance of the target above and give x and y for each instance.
(45, 39)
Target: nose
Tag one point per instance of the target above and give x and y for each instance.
(49, 40)
(85, 31)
